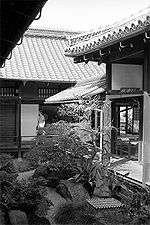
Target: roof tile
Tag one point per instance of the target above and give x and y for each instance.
(41, 57)
(83, 88)
(86, 42)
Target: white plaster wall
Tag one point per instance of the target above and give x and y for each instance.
(126, 76)
(29, 119)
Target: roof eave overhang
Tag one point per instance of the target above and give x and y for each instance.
(19, 26)
(62, 102)
(144, 31)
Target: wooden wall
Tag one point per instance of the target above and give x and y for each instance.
(12, 95)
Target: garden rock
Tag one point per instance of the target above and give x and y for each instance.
(42, 170)
(63, 190)
(18, 217)
(77, 191)
(42, 181)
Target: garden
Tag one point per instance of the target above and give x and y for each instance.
(65, 160)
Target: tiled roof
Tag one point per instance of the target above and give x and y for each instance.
(83, 88)
(41, 57)
(86, 42)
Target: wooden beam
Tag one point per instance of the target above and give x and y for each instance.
(125, 54)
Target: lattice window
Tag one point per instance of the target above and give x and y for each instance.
(8, 91)
(47, 92)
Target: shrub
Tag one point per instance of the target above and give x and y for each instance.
(4, 158)
(47, 175)
(75, 213)
(22, 165)
(36, 220)
(60, 145)
(27, 196)
(50, 175)
(70, 112)
(6, 163)
(67, 172)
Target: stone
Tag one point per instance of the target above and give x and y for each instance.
(77, 191)
(42, 170)
(18, 217)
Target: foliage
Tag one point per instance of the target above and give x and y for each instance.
(21, 165)
(77, 112)
(139, 208)
(73, 145)
(25, 195)
(75, 213)
(59, 146)
(4, 158)
(70, 112)
(6, 163)
(135, 197)
(47, 175)
(36, 220)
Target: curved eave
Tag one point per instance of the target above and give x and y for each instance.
(97, 47)
(16, 16)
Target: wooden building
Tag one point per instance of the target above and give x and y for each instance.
(125, 48)
(37, 69)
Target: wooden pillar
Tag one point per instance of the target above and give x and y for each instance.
(146, 74)
(113, 132)
(108, 88)
(146, 114)
(19, 126)
(108, 76)
(146, 139)
(141, 119)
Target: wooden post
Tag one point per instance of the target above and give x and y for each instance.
(113, 132)
(146, 114)
(108, 76)
(19, 127)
